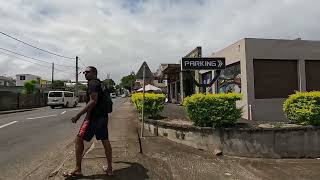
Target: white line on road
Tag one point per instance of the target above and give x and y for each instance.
(74, 110)
(8, 124)
(43, 116)
(63, 112)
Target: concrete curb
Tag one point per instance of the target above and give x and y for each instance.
(16, 111)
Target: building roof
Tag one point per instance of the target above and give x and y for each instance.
(6, 78)
(148, 73)
(264, 39)
(172, 69)
(27, 74)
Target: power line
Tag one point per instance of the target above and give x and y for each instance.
(33, 58)
(31, 62)
(36, 47)
(82, 63)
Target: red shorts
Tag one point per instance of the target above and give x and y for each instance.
(97, 127)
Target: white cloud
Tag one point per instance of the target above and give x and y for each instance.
(118, 35)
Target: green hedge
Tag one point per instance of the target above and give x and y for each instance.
(154, 103)
(303, 108)
(213, 110)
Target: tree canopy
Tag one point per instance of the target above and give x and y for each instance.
(108, 83)
(29, 87)
(128, 81)
(57, 84)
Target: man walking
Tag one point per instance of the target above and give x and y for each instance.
(95, 122)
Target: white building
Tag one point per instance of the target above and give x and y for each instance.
(22, 78)
(7, 81)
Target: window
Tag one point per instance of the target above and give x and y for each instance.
(68, 94)
(55, 94)
(206, 79)
(22, 78)
(275, 78)
(312, 75)
(230, 79)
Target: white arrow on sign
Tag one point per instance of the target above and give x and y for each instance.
(220, 63)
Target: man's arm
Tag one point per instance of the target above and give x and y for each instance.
(93, 88)
(88, 108)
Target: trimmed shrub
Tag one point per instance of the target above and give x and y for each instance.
(154, 103)
(213, 110)
(303, 108)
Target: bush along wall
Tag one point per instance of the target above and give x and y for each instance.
(154, 104)
(213, 110)
(303, 108)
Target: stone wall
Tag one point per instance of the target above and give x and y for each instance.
(293, 142)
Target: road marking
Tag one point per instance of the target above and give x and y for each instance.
(43, 116)
(63, 112)
(8, 124)
(74, 110)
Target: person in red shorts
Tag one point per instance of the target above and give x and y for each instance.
(94, 124)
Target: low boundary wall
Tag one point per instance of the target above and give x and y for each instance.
(289, 142)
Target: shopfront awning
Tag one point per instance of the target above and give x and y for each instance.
(172, 69)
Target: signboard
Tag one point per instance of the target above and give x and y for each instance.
(210, 63)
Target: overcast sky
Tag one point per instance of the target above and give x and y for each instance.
(116, 36)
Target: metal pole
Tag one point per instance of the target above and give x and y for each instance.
(108, 80)
(143, 96)
(52, 76)
(77, 76)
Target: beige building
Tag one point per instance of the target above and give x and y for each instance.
(266, 72)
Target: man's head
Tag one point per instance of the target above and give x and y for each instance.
(90, 73)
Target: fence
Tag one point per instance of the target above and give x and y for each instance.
(12, 100)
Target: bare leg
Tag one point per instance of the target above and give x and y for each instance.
(79, 152)
(108, 152)
(79, 146)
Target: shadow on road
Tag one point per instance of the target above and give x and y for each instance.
(134, 172)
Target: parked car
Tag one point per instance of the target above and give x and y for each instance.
(113, 95)
(62, 98)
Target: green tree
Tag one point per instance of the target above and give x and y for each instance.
(81, 87)
(58, 84)
(110, 84)
(118, 89)
(128, 81)
(29, 87)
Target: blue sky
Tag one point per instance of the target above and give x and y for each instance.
(118, 35)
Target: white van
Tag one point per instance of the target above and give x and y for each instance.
(113, 95)
(62, 98)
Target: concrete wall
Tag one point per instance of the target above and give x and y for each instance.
(281, 50)
(12, 101)
(248, 49)
(8, 100)
(301, 142)
(235, 53)
(294, 142)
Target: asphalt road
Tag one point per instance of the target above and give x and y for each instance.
(29, 139)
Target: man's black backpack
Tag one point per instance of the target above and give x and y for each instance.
(106, 99)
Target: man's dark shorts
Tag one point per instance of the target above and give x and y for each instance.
(97, 127)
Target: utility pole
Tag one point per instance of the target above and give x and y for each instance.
(52, 75)
(77, 76)
(108, 80)
(143, 97)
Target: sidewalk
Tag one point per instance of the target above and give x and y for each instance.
(163, 159)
